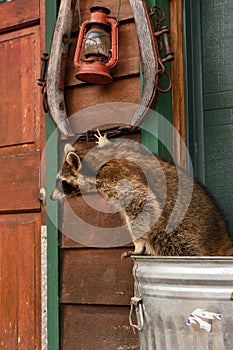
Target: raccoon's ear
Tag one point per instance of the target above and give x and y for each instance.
(68, 148)
(73, 160)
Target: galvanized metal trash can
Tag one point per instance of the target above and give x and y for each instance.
(175, 297)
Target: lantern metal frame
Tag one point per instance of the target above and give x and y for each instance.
(93, 69)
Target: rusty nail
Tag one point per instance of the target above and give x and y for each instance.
(65, 38)
(61, 106)
(61, 84)
(44, 59)
(45, 56)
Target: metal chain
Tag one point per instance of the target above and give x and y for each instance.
(158, 15)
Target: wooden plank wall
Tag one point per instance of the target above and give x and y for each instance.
(125, 87)
(96, 284)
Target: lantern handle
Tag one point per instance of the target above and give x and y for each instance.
(79, 44)
(113, 60)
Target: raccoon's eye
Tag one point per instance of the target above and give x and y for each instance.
(67, 188)
(59, 185)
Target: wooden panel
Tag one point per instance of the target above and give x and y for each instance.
(126, 90)
(20, 96)
(125, 10)
(19, 182)
(20, 282)
(67, 242)
(92, 328)
(89, 275)
(18, 12)
(92, 212)
(95, 214)
(101, 277)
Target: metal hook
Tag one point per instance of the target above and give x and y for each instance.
(42, 79)
(169, 79)
(158, 19)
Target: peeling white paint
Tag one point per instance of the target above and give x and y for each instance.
(44, 325)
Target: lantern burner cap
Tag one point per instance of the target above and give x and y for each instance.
(100, 9)
(94, 73)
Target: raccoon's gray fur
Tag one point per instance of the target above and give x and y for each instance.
(135, 181)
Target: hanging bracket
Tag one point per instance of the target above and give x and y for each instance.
(150, 31)
(42, 79)
(162, 31)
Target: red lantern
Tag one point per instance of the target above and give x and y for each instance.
(97, 47)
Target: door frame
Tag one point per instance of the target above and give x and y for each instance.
(51, 207)
(194, 85)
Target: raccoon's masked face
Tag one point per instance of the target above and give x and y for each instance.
(67, 178)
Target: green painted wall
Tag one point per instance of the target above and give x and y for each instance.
(163, 104)
(209, 95)
(217, 53)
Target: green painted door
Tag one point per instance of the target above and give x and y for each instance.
(209, 34)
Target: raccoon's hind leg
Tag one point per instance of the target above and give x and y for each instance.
(140, 247)
(139, 243)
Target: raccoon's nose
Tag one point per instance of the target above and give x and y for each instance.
(56, 195)
(53, 196)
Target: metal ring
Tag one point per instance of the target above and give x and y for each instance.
(153, 14)
(169, 79)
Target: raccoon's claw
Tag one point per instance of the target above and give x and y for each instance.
(102, 140)
(129, 254)
(126, 255)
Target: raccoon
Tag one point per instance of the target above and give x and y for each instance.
(145, 190)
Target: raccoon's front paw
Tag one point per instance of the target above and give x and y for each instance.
(101, 140)
(129, 254)
(126, 255)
